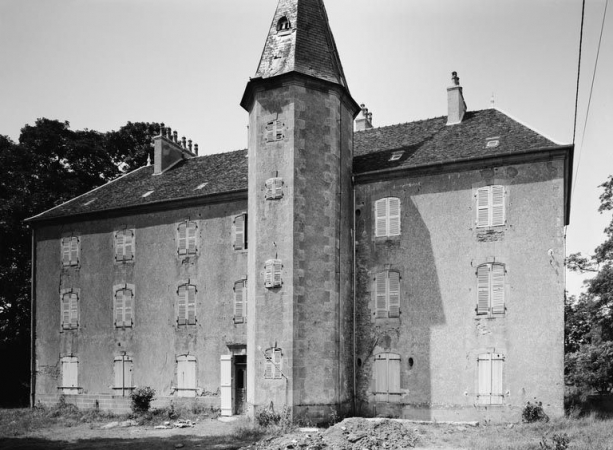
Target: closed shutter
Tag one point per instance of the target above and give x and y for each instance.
(483, 289)
(485, 379)
(278, 188)
(66, 311)
(239, 232)
(119, 246)
(381, 386)
(118, 373)
(270, 129)
(269, 189)
(483, 207)
(497, 394)
(277, 362)
(268, 366)
(393, 378)
(66, 251)
(190, 379)
(394, 294)
(182, 305)
(394, 216)
(191, 305)
(191, 237)
(119, 306)
(497, 205)
(497, 281)
(74, 310)
(245, 299)
(128, 307)
(128, 245)
(239, 301)
(381, 295)
(268, 273)
(182, 239)
(226, 382)
(74, 250)
(70, 374)
(181, 373)
(381, 217)
(277, 266)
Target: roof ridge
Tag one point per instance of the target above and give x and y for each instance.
(528, 126)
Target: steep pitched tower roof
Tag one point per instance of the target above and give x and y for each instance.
(300, 40)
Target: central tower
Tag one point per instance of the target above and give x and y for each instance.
(299, 345)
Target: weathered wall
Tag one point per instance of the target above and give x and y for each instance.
(155, 340)
(437, 255)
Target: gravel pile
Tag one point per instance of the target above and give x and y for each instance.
(350, 434)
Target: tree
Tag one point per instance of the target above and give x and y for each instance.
(49, 165)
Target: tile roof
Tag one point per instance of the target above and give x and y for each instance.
(424, 142)
(222, 173)
(431, 141)
(308, 47)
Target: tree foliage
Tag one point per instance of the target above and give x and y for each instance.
(49, 165)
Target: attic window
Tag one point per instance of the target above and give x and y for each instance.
(200, 186)
(89, 202)
(147, 194)
(283, 24)
(492, 142)
(396, 156)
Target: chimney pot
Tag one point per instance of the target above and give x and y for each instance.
(175, 136)
(456, 106)
(455, 78)
(196, 148)
(169, 133)
(189, 145)
(183, 142)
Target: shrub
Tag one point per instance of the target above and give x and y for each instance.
(558, 442)
(534, 413)
(141, 399)
(267, 417)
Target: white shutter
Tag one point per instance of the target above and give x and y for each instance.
(192, 229)
(497, 393)
(497, 295)
(70, 375)
(483, 289)
(277, 363)
(119, 246)
(118, 366)
(497, 205)
(393, 216)
(66, 310)
(268, 273)
(239, 296)
(394, 293)
(381, 217)
(381, 295)
(278, 188)
(65, 243)
(268, 366)
(485, 379)
(277, 267)
(483, 207)
(226, 379)
(182, 238)
(245, 300)
(381, 380)
(74, 250)
(191, 305)
(74, 310)
(393, 377)
(239, 232)
(128, 245)
(191, 375)
(128, 307)
(119, 307)
(269, 189)
(182, 305)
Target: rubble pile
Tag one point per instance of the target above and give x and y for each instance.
(350, 434)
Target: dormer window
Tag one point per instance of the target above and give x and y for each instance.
(396, 156)
(492, 142)
(283, 24)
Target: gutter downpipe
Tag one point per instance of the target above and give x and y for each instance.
(33, 323)
(353, 238)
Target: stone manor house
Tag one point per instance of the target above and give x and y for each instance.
(414, 270)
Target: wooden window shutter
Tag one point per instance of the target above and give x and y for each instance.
(239, 232)
(182, 238)
(483, 207)
(268, 366)
(192, 231)
(268, 273)
(278, 188)
(497, 392)
(128, 307)
(394, 293)
(128, 254)
(70, 374)
(74, 310)
(393, 377)
(181, 372)
(381, 378)
(74, 250)
(485, 379)
(191, 305)
(497, 206)
(483, 289)
(66, 310)
(270, 130)
(66, 251)
(128, 369)
(245, 299)
(118, 366)
(381, 217)
(394, 216)
(269, 189)
(119, 246)
(277, 267)
(190, 378)
(497, 295)
(182, 305)
(277, 362)
(119, 307)
(381, 295)
(239, 304)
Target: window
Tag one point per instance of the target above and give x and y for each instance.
(387, 378)
(123, 298)
(387, 294)
(283, 24)
(272, 273)
(387, 217)
(240, 232)
(186, 304)
(187, 233)
(490, 379)
(70, 308)
(274, 131)
(274, 188)
(123, 367)
(70, 251)
(490, 206)
(70, 375)
(274, 363)
(490, 289)
(124, 245)
(240, 301)
(186, 376)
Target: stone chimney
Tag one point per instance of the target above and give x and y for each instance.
(455, 101)
(168, 150)
(364, 122)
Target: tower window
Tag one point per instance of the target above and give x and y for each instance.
(283, 24)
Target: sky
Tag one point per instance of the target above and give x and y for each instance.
(101, 63)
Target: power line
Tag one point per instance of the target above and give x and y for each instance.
(589, 102)
(579, 71)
